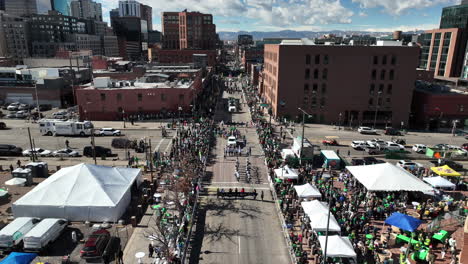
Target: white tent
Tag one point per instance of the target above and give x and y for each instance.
(16, 181)
(307, 191)
(318, 214)
(387, 177)
(286, 173)
(439, 182)
(338, 247)
(285, 153)
(82, 192)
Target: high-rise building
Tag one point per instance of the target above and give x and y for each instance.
(62, 6)
(2, 5)
(245, 39)
(129, 8)
(347, 85)
(13, 37)
(132, 35)
(455, 16)
(113, 14)
(27, 7)
(86, 9)
(146, 13)
(192, 30)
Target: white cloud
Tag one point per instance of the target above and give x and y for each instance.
(397, 7)
(403, 28)
(362, 14)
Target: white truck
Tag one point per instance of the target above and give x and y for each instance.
(12, 234)
(44, 233)
(73, 128)
(47, 126)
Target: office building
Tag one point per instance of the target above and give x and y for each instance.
(154, 37)
(62, 6)
(347, 85)
(245, 39)
(455, 16)
(132, 35)
(129, 8)
(146, 13)
(27, 7)
(170, 30)
(87, 9)
(2, 5)
(13, 38)
(111, 46)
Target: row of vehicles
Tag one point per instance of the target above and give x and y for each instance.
(388, 131)
(377, 146)
(35, 235)
(58, 127)
(67, 152)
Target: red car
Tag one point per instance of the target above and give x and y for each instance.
(330, 141)
(95, 245)
(465, 146)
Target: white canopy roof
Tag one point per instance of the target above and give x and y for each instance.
(16, 181)
(338, 247)
(318, 214)
(439, 181)
(81, 192)
(387, 177)
(307, 191)
(286, 173)
(330, 154)
(287, 152)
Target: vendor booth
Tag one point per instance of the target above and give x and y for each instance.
(19, 258)
(287, 153)
(445, 171)
(286, 173)
(338, 247)
(318, 214)
(439, 182)
(307, 191)
(330, 159)
(83, 192)
(387, 177)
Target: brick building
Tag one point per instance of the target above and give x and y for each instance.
(340, 84)
(181, 56)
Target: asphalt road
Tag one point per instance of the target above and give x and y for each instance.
(238, 230)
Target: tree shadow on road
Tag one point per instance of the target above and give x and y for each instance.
(220, 208)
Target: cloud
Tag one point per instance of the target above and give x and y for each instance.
(362, 14)
(397, 7)
(403, 28)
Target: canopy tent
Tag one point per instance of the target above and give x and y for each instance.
(387, 177)
(16, 181)
(439, 182)
(285, 153)
(19, 258)
(331, 159)
(318, 214)
(445, 171)
(82, 192)
(307, 191)
(337, 247)
(286, 173)
(402, 221)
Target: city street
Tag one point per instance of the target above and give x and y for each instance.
(238, 230)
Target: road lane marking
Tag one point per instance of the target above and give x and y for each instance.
(238, 238)
(159, 145)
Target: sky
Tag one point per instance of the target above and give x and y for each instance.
(306, 15)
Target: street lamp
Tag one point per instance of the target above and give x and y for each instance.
(377, 108)
(303, 130)
(339, 121)
(123, 118)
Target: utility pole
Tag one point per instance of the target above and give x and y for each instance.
(34, 147)
(151, 160)
(377, 108)
(328, 219)
(93, 145)
(31, 156)
(303, 131)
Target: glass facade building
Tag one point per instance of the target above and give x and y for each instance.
(454, 16)
(62, 6)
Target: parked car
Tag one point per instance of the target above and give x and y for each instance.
(43, 234)
(12, 234)
(392, 132)
(372, 160)
(408, 164)
(39, 151)
(367, 130)
(108, 132)
(373, 150)
(45, 107)
(465, 146)
(24, 107)
(3, 125)
(111, 250)
(232, 141)
(100, 151)
(393, 146)
(60, 115)
(65, 153)
(10, 150)
(357, 162)
(95, 244)
(359, 145)
(376, 142)
(11, 115)
(452, 164)
(419, 148)
(440, 146)
(13, 106)
(21, 114)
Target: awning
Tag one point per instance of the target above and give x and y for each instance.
(285, 153)
(318, 214)
(19, 258)
(307, 191)
(330, 155)
(286, 173)
(337, 247)
(439, 182)
(405, 222)
(445, 171)
(16, 181)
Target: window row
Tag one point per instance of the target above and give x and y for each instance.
(383, 60)
(383, 75)
(388, 100)
(140, 97)
(313, 102)
(316, 74)
(315, 88)
(317, 58)
(380, 89)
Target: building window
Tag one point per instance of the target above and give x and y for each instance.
(374, 74)
(381, 86)
(325, 59)
(389, 89)
(163, 97)
(392, 75)
(371, 101)
(384, 59)
(324, 88)
(322, 102)
(314, 88)
(376, 60)
(314, 102)
(307, 74)
(307, 61)
(393, 61)
(379, 101)
(103, 97)
(388, 100)
(382, 75)
(181, 97)
(306, 87)
(325, 74)
(119, 97)
(372, 88)
(317, 59)
(461, 108)
(120, 109)
(140, 97)
(316, 73)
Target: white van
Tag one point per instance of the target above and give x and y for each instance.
(12, 234)
(44, 233)
(232, 109)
